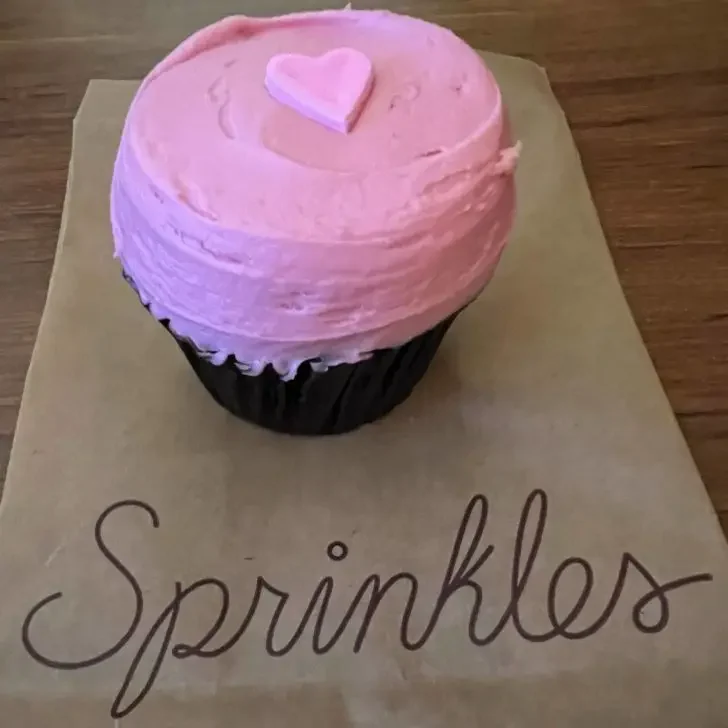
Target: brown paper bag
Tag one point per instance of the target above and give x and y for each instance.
(525, 542)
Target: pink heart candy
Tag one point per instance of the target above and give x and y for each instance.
(331, 89)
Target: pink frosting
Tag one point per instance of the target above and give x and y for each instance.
(260, 233)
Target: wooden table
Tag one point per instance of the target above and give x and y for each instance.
(644, 84)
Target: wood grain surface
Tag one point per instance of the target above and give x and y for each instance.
(645, 87)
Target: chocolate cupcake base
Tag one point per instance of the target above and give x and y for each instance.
(331, 402)
(338, 400)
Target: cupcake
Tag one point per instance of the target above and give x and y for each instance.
(307, 202)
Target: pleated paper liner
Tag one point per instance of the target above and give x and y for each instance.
(338, 400)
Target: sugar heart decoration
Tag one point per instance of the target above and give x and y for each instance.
(331, 89)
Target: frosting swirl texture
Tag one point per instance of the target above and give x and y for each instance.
(260, 233)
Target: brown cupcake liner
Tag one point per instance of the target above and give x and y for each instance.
(337, 400)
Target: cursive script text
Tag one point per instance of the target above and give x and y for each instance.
(469, 554)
